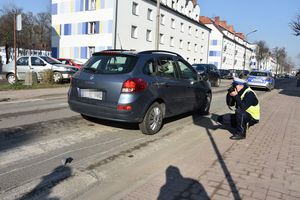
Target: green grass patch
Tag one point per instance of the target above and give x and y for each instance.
(19, 86)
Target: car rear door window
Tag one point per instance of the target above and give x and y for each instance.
(166, 67)
(110, 64)
(149, 68)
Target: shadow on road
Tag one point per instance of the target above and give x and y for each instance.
(288, 87)
(179, 187)
(44, 188)
(207, 123)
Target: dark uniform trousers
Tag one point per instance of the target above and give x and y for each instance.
(239, 120)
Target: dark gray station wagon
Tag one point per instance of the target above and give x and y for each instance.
(139, 87)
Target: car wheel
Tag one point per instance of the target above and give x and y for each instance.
(11, 78)
(57, 77)
(153, 120)
(205, 106)
(218, 82)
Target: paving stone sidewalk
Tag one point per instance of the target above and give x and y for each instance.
(265, 166)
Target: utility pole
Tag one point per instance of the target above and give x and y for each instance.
(244, 65)
(15, 45)
(157, 24)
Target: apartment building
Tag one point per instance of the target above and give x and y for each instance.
(228, 49)
(81, 27)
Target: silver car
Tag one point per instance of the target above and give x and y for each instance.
(261, 79)
(38, 64)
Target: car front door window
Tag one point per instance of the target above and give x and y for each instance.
(186, 72)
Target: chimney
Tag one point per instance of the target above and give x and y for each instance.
(205, 20)
(217, 20)
(194, 2)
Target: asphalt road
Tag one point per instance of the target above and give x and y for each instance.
(36, 135)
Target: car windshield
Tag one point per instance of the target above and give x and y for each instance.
(258, 74)
(50, 60)
(110, 64)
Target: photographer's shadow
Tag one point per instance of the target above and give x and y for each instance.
(179, 187)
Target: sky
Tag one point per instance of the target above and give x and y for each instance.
(270, 17)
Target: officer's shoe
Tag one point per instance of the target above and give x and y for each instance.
(238, 137)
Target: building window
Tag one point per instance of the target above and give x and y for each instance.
(189, 46)
(196, 48)
(174, 4)
(172, 23)
(150, 14)
(161, 38)
(202, 35)
(190, 30)
(197, 33)
(172, 41)
(91, 27)
(214, 42)
(180, 44)
(134, 32)
(162, 19)
(92, 4)
(182, 27)
(149, 35)
(214, 53)
(202, 49)
(135, 8)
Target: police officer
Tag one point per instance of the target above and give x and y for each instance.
(247, 111)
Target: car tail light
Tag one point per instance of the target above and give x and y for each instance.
(124, 107)
(134, 85)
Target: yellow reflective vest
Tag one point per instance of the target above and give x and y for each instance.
(254, 111)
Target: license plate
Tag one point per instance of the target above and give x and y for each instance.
(91, 94)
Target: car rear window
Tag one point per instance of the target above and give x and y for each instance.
(258, 74)
(110, 64)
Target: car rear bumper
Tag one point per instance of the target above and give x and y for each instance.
(259, 85)
(103, 112)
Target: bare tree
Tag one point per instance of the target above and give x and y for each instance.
(43, 29)
(8, 12)
(280, 56)
(295, 25)
(262, 52)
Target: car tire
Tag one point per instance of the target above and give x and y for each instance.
(153, 120)
(205, 106)
(57, 77)
(11, 78)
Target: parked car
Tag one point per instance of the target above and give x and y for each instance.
(67, 61)
(225, 74)
(261, 79)
(211, 71)
(138, 87)
(233, 73)
(38, 64)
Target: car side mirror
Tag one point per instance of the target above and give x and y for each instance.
(44, 64)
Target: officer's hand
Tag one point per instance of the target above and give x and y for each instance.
(234, 93)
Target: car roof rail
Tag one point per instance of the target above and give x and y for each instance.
(160, 51)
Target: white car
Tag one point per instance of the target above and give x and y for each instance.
(38, 64)
(261, 79)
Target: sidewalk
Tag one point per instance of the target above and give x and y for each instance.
(12, 95)
(264, 166)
